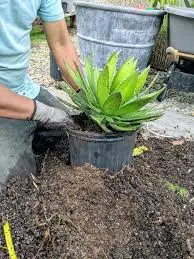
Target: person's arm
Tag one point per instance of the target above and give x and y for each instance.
(62, 48)
(14, 106)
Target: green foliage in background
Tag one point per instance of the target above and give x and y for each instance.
(181, 3)
(37, 34)
(115, 99)
(161, 3)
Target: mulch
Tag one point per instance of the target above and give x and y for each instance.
(84, 212)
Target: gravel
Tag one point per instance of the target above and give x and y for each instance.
(39, 68)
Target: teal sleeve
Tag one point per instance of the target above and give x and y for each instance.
(51, 11)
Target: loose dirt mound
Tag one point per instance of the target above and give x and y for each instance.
(84, 213)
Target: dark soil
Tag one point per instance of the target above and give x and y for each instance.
(83, 213)
(86, 124)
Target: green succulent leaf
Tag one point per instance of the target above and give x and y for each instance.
(141, 80)
(150, 85)
(81, 82)
(83, 102)
(90, 76)
(112, 64)
(104, 127)
(70, 105)
(124, 128)
(95, 76)
(141, 114)
(121, 122)
(97, 118)
(123, 73)
(145, 120)
(88, 90)
(76, 78)
(80, 102)
(100, 121)
(112, 104)
(127, 88)
(138, 103)
(103, 86)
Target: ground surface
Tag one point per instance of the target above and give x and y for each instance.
(87, 213)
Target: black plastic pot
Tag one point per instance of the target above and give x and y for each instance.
(111, 151)
(45, 139)
(55, 72)
(64, 5)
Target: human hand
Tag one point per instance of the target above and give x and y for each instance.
(52, 117)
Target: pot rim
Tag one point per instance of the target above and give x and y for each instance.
(114, 8)
(99, 137)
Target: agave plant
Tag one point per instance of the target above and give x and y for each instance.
(114, 99)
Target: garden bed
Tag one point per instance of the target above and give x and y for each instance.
(88, 213)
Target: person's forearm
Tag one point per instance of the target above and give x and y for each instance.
(66, 55)
(61, 45)
(14, 106)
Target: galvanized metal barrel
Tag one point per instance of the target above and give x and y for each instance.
(70, 5)
(103, 29)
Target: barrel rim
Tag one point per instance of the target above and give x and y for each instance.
(114, 8)
(180, 11)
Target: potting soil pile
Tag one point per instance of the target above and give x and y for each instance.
(146, 211)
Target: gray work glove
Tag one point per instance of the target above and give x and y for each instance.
(51, 117)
